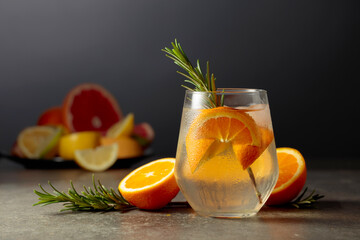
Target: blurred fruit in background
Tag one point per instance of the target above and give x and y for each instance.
(144, 134)
(89, 117)
(16, 151)
(123, 128)
(98, 159)
(77, 141)
(90, 107)
(39, 141)
(128, 147)
(51, 116)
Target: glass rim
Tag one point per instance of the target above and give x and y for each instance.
(231, 91)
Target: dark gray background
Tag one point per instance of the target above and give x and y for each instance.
(305, 53)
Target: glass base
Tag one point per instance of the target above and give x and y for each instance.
(227, 214)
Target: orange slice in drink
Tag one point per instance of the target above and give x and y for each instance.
(292, 176)
(215, 130)
(152, 185)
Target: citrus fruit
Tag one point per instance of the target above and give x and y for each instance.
(292, 176)
(122, 128)
(152, 185)
(128, 147)
(16, 151)
(90, 107)
(98, 159)
(51, 116)
(77, 141)
(39, 141)
(144, 134)
(215, 130)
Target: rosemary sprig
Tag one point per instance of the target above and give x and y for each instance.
(91, 199)
(306, 202)
(98, 198)
(194, 75)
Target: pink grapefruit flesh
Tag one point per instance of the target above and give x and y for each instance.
(90, 107)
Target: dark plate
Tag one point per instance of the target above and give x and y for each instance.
(59, 162)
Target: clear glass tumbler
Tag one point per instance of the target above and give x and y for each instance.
(226, 163)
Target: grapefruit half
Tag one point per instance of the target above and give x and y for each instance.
(90, 107)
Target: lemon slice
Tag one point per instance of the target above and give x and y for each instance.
(98, 159)
(122, 128)
(39, 141)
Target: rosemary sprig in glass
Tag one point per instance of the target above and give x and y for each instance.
(194, 75)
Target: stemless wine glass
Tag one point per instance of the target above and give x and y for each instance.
(226, 163)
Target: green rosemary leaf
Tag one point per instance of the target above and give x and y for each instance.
(208, 73)
(301, 195)
(186, 76)
(222, 98)
(187, 88)
(198, 69)
(193, 83)
(305, 202)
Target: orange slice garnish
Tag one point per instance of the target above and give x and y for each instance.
(214, 130)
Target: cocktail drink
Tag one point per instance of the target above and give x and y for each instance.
(226, 163)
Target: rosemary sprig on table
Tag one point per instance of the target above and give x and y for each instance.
(305, 202)
(91, 199)
(100, 198)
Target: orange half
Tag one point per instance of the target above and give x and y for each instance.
(292, 176)
(214, 129)
(152, 185)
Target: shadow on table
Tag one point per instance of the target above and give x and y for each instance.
(324, 212)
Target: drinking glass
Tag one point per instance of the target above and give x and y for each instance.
(226, 163)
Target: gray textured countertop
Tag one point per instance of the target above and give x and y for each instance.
(337, 216)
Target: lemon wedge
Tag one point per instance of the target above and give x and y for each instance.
(39, 141)
(98, 159)
(122, 128)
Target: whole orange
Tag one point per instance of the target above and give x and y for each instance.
(51, 116)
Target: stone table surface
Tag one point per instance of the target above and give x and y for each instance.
(337, 216)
